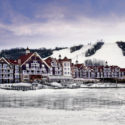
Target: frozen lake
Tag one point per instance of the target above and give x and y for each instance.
(63, 107)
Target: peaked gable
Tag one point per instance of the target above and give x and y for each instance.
(65, 59)
(27, 57)
(24, 58)
(14, 62)
(49, 60)
(79, 66)
(2, 59)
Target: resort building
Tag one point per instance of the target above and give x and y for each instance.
(55, 66)
(60, 69)
(98, 72)
(9, 71)
(33, 67)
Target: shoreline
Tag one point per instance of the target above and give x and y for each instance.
(54, 85)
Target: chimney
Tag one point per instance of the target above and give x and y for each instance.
(19, 61)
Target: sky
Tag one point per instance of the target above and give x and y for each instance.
(51, 23)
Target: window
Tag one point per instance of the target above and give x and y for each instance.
(11, 71)
(16, 76)
(4, 65)
(27, 65)
(53, 64)
(64, 64)
(24, 72)
(16, 71)
(5, 71)
(5, 76)
(16, 67)
(35, 61)
(35, 72)
(35, 64)
(0, 76)
(11, 75)
(68, 64)
(43, 65)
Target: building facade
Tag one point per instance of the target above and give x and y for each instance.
(99, 72)
(9, 71)
(33, 67)
(30, 67)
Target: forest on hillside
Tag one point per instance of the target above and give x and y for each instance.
(15, 53)
(121, 45)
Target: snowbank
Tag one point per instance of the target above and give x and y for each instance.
(55, 84)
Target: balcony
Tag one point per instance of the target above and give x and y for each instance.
(10, 78)
(5, 77)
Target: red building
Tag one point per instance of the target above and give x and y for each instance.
(9, 71)
(33, 67)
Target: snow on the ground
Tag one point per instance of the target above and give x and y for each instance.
(77, 55)
(56, 84)
(15, 84)
(109, 52)
(39, 92)
(36, 116)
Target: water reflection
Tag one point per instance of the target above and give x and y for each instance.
(59, 99)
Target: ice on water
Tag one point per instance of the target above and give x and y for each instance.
(63, 107)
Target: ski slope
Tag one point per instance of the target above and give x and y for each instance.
(109, 52)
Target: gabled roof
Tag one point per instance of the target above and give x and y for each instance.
(15, 62)
(122, 69)
(112, 67)
(5, 60)
(79, 66)
(25, 57)
(50, 59)
(64, 59)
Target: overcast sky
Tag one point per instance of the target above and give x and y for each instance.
(50, 23)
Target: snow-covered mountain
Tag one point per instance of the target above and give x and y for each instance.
(109, 52)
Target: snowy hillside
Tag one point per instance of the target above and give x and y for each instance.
(109, 52)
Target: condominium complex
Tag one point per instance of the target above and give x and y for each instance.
(31, 66)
